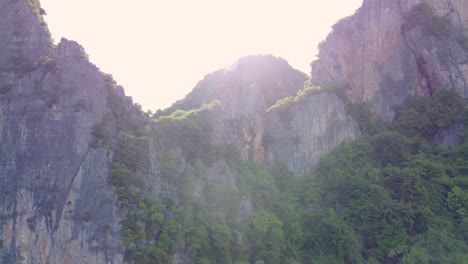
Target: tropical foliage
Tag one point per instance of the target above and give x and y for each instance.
(392, 196)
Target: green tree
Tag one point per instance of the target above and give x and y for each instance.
(266, 237)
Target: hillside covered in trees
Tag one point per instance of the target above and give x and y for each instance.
(392, 196)
(365, 161)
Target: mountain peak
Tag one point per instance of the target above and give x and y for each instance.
(273, 77)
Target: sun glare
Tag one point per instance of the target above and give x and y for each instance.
(159, 50)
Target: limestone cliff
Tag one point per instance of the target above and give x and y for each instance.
(299, 134)
(24, 36)
(245, 90)
(55, 203)
(391, 49)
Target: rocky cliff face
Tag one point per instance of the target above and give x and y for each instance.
(455, 10)
(245, 90)
(299, 134)
(252, 85)
(391, 49)
(24, 36)
(56, 205)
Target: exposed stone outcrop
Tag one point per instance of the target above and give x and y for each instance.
(245, 90)
(299, 134)
(24, 36)
(375, 55)
(56, 205)
(456, 10)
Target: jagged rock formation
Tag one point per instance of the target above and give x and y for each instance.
(252, 85)
(298, 135)
(245, 90)
(391, 49)
(56, 205)
(24, 36)
(454, 9)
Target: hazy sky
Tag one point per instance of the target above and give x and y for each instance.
(158, 50)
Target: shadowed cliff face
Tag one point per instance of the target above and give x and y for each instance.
(391, 49)
(24, 36)
(456, 10)
(55, 203)
(300, 134)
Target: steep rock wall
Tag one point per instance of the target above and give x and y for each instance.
(45, 127)
(245, 90)
(298, 135)
(23, 34)
(376, 57)
(56, 205)
(455, 9)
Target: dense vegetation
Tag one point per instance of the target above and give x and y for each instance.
(212, 226)
(392, 196)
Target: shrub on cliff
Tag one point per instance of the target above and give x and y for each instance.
(424, 15)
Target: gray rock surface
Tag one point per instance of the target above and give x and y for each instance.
(56, 205)
(311, 130)
(245, 90)
(300, 134)
(24, 36)
(374, 58)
